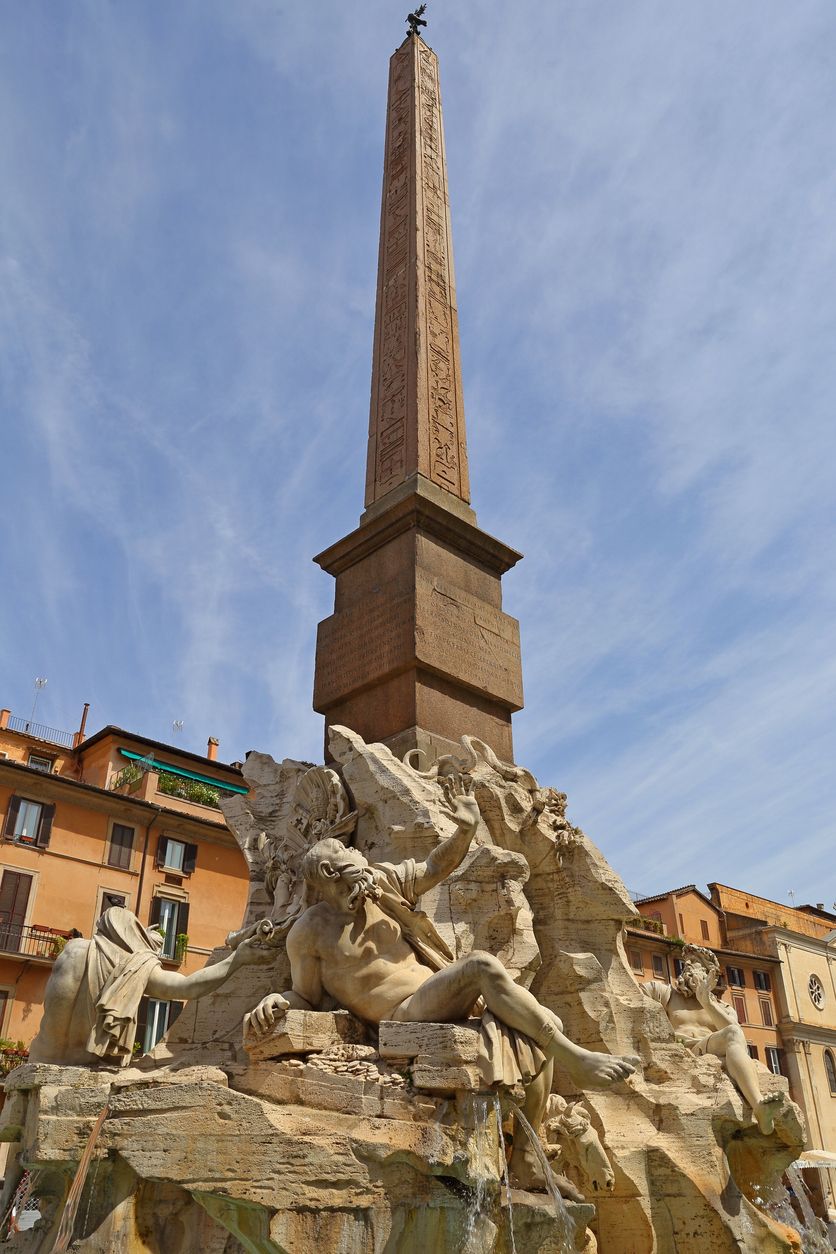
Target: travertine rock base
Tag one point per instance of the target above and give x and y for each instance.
(346, 1144)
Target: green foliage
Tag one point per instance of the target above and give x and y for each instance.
(189, 790)
(127, 777)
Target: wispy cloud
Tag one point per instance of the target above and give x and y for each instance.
(642, 205)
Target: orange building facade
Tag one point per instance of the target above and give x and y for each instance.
(111, 819)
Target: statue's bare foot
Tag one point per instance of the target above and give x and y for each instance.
(597, 1071)
(526, 1173)
(767, 1111)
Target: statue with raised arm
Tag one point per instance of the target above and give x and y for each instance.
(710, 1026)
(91, 1003)
(364, 943)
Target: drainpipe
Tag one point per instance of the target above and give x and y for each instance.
(142, 864)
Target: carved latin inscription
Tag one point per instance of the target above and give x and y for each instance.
(364, 643)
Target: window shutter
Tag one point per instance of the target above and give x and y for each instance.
(154, 912)
(189, 859)
(162, 849)
(174, 1009)
(183, 917)
(45, 827)
(11, 816)
(141, 1023)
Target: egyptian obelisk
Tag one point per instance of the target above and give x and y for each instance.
(418, 650)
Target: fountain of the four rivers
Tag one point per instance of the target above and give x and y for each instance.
(425, 1036)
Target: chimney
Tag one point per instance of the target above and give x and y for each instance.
(212, 748)
(820, 906)
(79, 735)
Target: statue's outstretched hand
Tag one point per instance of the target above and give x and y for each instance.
(459, 801)
(251, 953)
(263, 1017)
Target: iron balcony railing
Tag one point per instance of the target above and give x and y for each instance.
(41, 732)
(31, 942)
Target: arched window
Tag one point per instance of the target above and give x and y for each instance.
(830, 1068)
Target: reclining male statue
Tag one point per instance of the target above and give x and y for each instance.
(92, 997)
(709, 1026)
(365, 945)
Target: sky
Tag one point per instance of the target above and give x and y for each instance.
(643, 199)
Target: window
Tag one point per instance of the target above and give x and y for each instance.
(636, 961)
(176, 855)
(830, 1071)
(657, 915)
(739, 1004)
(773, 1060)
(816, 990)
(735, 976)
(766, 1013)
(155, 1018)
(40, 764)
(753, 1050)
(121, 846)
(109, 900)
(659, 966)
(172, 917)
(762, 981)
(704, 929)
(28, 822)
(15, 888)
(681, 925)
(678, 966)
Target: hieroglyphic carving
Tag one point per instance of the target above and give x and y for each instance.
(415, 317)
(436, 314)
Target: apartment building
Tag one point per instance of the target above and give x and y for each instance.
(110, 819)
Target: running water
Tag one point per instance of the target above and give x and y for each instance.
(566, 1223)
(65, 1230)
(504, 1163)
(481, 1155)
(811, 1229)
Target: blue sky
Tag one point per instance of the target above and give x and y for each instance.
(643, 206)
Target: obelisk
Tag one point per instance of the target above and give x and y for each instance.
(418, 650)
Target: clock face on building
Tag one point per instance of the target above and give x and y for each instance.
(816, 990)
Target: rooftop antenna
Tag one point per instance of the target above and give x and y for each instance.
(40, 683)
(177, 726)
(791, 896)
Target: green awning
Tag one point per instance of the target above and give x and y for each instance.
(179, 770)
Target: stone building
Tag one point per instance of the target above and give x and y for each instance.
(109, 819)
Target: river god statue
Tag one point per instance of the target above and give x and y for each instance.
(709, 1026)
(366, 945)
(92, 997)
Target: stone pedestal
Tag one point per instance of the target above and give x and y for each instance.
(418, 651)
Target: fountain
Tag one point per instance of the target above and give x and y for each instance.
(422, 949)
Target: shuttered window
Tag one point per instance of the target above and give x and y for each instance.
(121, 846)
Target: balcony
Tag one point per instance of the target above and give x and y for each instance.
(38, 731)
(43, 944)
